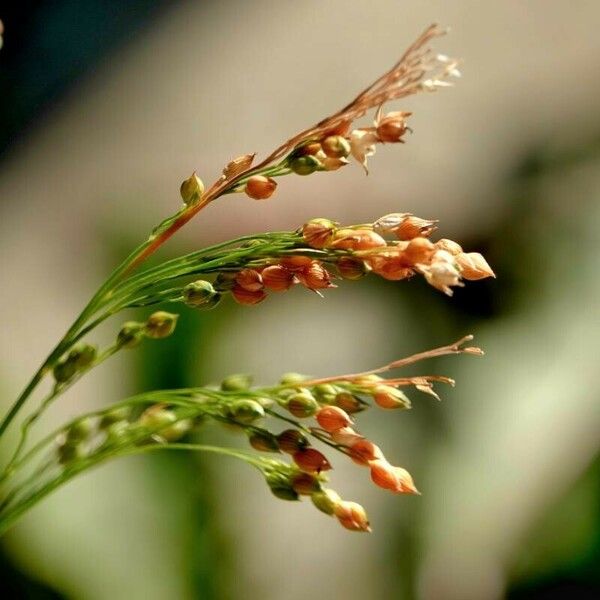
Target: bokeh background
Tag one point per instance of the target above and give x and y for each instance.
(105, 106)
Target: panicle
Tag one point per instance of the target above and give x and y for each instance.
(331, 401)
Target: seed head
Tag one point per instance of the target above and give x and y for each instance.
(116, 415)
(236, 382)
(260, 187)
(392, 127)
(311, 460)
(357, 239)
(277, 278)
(332, 418)
(64, 370)
(263, 440)
(310, 148)
(407, 485)
(392, 268)
(280, 485)
(325, 393)
(318, 233)
(364, 451)
(336, 146)
(292, 378)
(201, 294)
(384, 475)
(346, 436)
(473, 266)
(449, 246)
(295, 263)
(396, 479)
(160, 324)
(419, 250)
(130, 335)
(326, 500)
(333, 164)
(305, 165)
(80, 430)
(352, 268)
(302, 405)
(247, 411)
(442, 273)
(250, 280)
(352, 516)
(305, 484)
(192, 189)
(244, 296)
(315, 276)
(164, 423)
(291, 441)
(70, 452)
(83, 355)
(386, 396)
(348, 402)
(224, 282)
(405, 226)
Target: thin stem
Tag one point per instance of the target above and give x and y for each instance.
(403, 362)
(176, 397)
(55, 393)
(13, 515)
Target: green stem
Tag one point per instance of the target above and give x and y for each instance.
(106, 295)
(12, 516)
(55, 393)
(177, 397)
(66, 342)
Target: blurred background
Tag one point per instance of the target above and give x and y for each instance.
(105, 106)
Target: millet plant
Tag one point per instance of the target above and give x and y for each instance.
(297, 415)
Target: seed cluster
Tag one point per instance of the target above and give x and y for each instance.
(353, 252)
